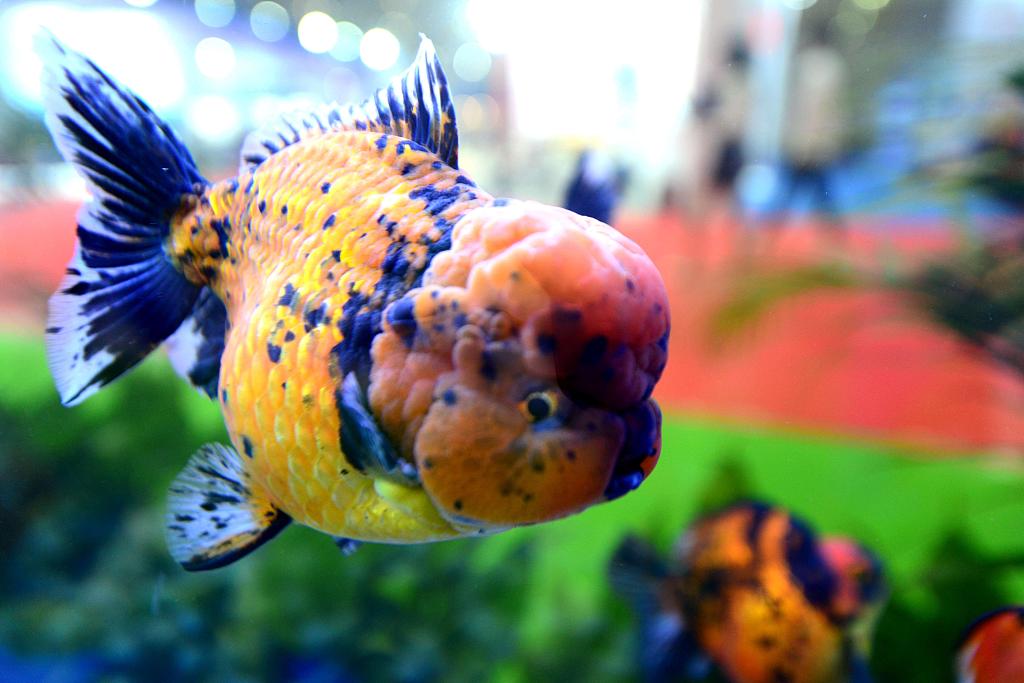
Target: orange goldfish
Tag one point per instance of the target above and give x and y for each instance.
(753, 594)
(399, 356)
(992, 650)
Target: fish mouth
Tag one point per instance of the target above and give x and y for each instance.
(639, 451)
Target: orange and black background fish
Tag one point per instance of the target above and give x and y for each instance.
(751, 595)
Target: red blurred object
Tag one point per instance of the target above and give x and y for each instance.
(857, 360)
(993, 649)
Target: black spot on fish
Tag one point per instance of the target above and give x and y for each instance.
(247, 445)
(465, 181)
(449, 397)
(336, 255)
(487, 369)
(457, 504)
(184, 518)
(325, 188)
(568, 316)
(329, 222)
(288, 297)
(408, 168)
(273, 352)
(630, 285)
(313, 317)
(395, 261)
(284, 210)
(594, 350)
(401, 317)
(289, 335)
(53, 330)
(437, 200)
(382, 142)
(262, 206)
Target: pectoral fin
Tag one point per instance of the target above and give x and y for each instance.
(213, 515)
(364, 443)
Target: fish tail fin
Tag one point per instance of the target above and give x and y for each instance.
(667, 648)
(122, 295)
(214, 514)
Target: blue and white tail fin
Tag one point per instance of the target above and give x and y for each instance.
(121, 296)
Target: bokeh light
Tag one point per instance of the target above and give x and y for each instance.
(140, 3)
(215, 58)
(379, 49)
(269, 21)
(493, 23)
(318, 32)
(798, 4)
(214, 118)
(346, 49)
(471, 62)
(137, 48)
(215, 13)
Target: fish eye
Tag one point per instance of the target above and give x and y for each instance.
(539, 405)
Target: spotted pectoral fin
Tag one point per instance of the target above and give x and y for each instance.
(363, 442)
(214, 516)
(415, 105)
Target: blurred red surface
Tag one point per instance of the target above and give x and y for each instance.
(860, 361)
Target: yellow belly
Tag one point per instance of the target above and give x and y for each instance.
(278, 373)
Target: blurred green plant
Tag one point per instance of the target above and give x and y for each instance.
(85, 571)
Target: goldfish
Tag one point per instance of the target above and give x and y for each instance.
(751, 594)
(399, 356)
(992, 650)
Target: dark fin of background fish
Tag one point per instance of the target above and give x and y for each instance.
(415, 106)
(213, 515)
(667, 648)
(121, 296)
(859, 671)
(197, 345)
(346, 545)
(363, 442)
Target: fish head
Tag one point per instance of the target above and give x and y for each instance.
(860, 587)
(538, 339)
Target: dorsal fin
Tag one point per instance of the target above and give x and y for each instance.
(415, 105)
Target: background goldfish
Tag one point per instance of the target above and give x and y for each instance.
(399, 356)
(752, 595)
(992, 650)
